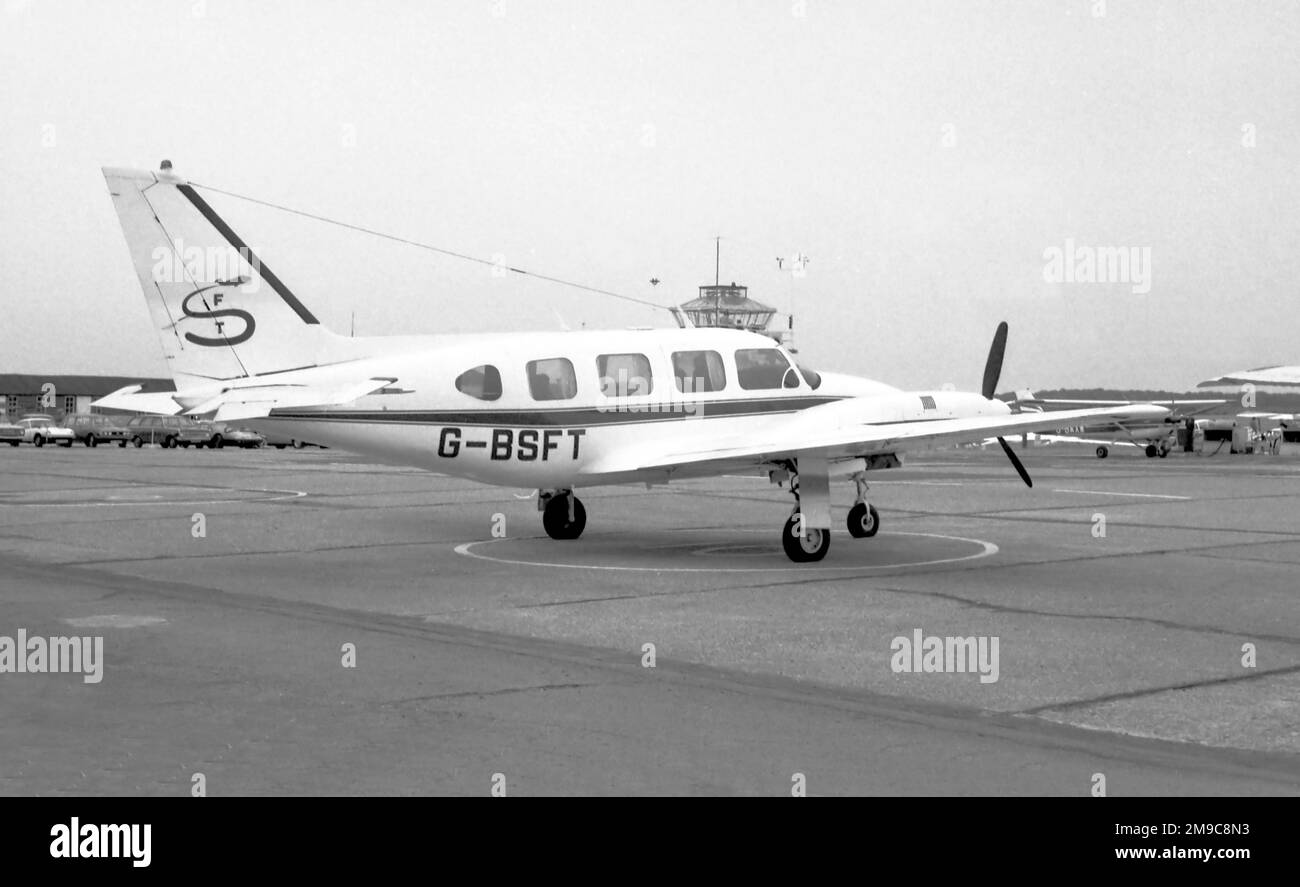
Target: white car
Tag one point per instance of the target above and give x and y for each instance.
(40, 430)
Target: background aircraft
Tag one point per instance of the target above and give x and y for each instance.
(1155, 437)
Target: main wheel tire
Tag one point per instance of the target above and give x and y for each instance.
(38, 440)
(91, 441)
(800, 548)
(555, 518)
(1151, 451)
(1102, 452)
(864, 521)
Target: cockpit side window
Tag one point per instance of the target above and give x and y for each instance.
(699, 371)
(764, 368)
(482, 382)
(552, 379)
(624, 375)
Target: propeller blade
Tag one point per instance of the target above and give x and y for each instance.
(1011, 454)
(993, 369)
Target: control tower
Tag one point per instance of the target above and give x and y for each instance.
(729, 305)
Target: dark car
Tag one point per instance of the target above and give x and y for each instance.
(170, 431)
(280, 441)
(226, 435)
(93, 430)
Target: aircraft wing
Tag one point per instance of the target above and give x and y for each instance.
(1181, 408)
(1106, 442)
(828, 431)
(1285, 376)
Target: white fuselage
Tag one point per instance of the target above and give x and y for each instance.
(431, 417)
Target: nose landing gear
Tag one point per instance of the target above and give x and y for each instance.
(864, 520)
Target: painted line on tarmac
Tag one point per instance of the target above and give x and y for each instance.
(986, 549)
(1113, 493)
(289, 494)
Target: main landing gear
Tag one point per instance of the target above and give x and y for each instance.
(806, 544)
(563, 516)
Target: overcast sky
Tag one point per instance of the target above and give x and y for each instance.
(926, 157)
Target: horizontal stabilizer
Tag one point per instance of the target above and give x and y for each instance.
(129, 398)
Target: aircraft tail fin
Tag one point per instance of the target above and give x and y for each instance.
(220, 312)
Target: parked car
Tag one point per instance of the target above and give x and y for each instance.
(170, 431)
(93, 430)
(280, 441)
(226, 435)
(40, 429)
(10, 434)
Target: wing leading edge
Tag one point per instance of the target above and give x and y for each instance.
(804, 433)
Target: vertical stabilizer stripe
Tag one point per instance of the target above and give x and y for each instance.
(233, 239)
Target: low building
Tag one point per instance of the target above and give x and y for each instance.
(61, 394)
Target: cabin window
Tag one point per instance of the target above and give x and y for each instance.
(552, 379)
(698, 371)
(764, 368)
(812, 377)
(624, 375)
(482, 382)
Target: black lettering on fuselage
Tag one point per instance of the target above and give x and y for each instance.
(449, 443)
(502, 443)
(576, 434)
(505, 444)
(527, 450)
(547, 443)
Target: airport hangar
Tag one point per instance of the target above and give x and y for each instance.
(61, 394)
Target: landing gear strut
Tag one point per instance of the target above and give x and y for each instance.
(563, 516)
(864, 521)
(802, 544)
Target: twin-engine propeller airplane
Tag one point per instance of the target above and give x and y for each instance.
(1155, 437)
(550, 410)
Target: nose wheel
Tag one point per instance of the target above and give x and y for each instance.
(864, 521)
(563, 516)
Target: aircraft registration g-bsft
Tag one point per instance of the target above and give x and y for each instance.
(553, 411)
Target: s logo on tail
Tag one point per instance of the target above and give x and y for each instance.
(212, 313)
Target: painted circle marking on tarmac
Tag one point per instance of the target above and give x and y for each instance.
(986, 549)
